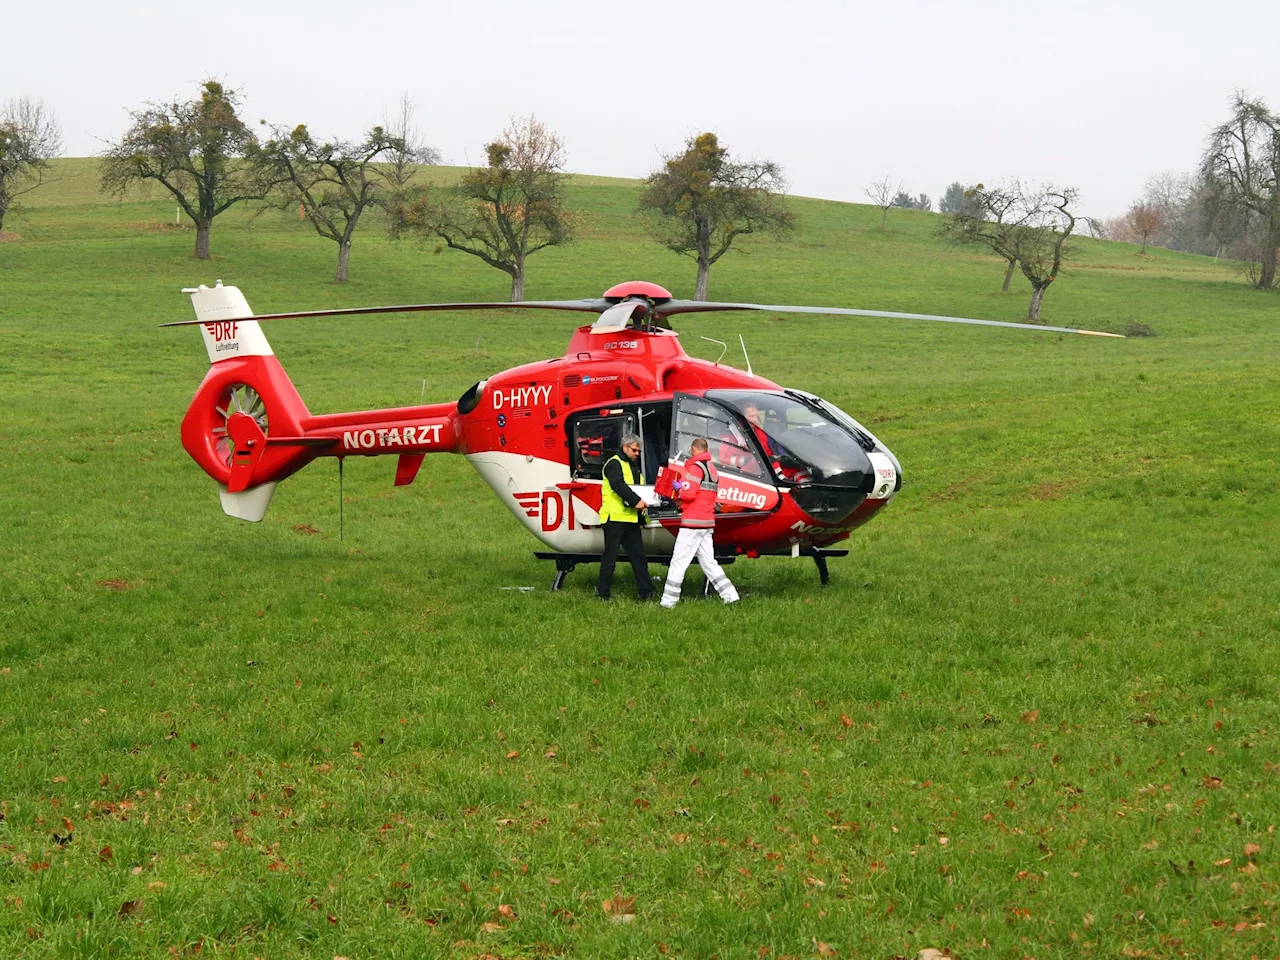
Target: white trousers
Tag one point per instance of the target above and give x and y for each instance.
(692, 543)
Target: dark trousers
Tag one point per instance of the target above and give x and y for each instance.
(626, 535)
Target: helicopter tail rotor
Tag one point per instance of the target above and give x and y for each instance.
(246, 412)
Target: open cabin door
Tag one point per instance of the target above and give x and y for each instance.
(746, 486)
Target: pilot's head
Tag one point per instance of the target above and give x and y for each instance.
(753, 414)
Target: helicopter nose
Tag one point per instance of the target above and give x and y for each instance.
(887, 477)
(888, 472)
(833, 494)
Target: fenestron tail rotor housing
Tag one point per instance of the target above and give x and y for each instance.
(235, 398)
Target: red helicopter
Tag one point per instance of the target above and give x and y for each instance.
(797, 474)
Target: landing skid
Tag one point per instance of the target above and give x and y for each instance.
(820, 559)
(566, 562)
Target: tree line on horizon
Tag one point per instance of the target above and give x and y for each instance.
(1229, 206)
(203, 154)
(697, 203)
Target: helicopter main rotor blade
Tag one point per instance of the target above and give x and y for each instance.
(699, 306)
(583, 306)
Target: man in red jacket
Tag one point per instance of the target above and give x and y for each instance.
(697, 493)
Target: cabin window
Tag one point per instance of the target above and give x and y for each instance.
(594, 439)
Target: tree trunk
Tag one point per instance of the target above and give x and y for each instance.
(1037, 295)
(700, 289)
(202, 239)
(344, 255)
(517, 284)
(4, 208)
(1267, 279)
(884, 216)
(1008, 274)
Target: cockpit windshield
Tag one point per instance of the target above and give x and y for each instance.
(804, 443)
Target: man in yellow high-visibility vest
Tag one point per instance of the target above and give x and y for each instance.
(620, 516)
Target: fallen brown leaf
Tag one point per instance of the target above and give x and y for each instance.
(619, 905)
(129, 908)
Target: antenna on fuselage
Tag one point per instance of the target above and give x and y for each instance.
(744, 352)
(724, 347)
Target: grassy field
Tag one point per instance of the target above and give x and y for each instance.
(1034, 714)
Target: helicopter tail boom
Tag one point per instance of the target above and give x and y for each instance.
(248, 428)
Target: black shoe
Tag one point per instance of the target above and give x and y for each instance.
(646, 597)
(604, 599)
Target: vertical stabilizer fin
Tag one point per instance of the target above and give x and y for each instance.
(225, 323)
(248, 504)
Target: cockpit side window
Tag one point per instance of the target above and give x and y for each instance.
(803, 442)
(730, 446)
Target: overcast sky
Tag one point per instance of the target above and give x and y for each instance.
(1098, 95)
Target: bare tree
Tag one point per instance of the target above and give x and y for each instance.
(1144, 219)
(1241, 168)
(993, 217)
(502, 213)
(1179, 203)
(29, 138)
(191, 149)
(1043, 239)
(882, 193)
(410, 152)
(701, 201)
(333, 182)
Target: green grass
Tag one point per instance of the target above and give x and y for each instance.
(1034, 714)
